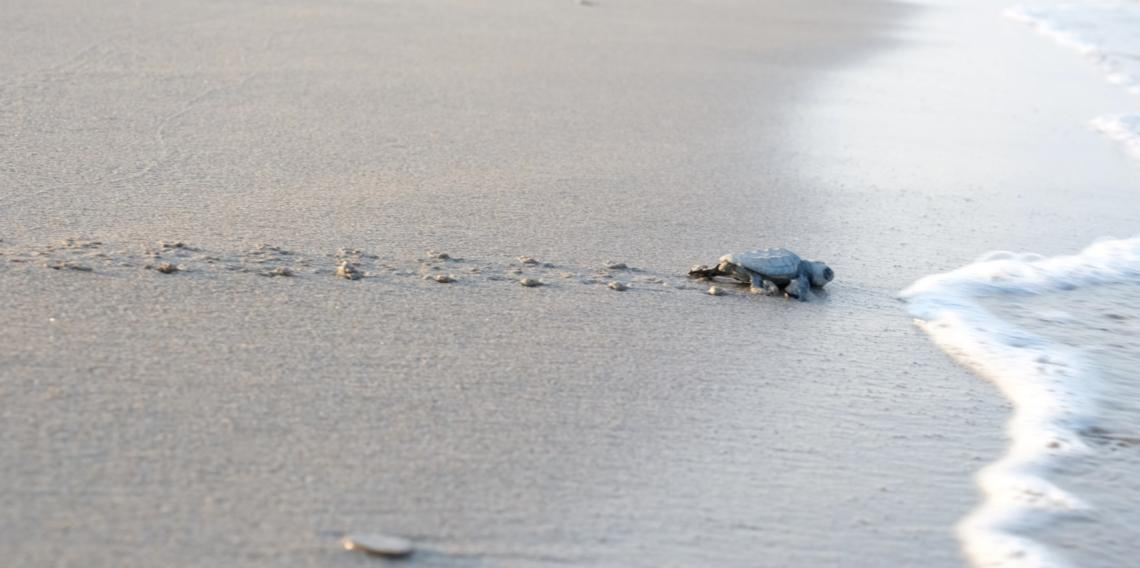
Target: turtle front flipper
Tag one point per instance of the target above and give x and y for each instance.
(799, 287)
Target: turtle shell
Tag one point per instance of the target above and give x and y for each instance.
(772, 262)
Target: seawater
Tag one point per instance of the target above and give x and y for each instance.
(1107, 33)
(1060, 337)
(1101, 322)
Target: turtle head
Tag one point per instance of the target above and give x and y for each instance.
(820, 273)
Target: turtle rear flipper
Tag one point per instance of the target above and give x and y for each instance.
(703, 271)
(760, 285)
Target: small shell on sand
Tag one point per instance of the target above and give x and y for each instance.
(444, 278)
(167, 268)
(528, 260)
(378, 544)
(619, 286)
(439, 255)
(715, 291)
(616, 265)
(530, 282)
(348, 271)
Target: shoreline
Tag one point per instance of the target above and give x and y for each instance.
(1051, 499)
(1019, 192)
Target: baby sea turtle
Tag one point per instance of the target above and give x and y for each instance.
(770, 270)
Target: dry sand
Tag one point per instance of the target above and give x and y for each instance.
(216, 417)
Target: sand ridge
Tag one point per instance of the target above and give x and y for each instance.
(170, 257)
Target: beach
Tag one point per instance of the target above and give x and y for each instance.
(246, 405)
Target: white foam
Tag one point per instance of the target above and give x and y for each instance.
(1052, 389)
(1041, 21)
(1106, 33)
(1124, 129)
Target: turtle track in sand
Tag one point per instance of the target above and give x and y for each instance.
(167, 259)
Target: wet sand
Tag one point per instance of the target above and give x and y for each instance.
(215, 416)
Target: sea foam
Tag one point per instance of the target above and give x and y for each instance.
(1124, 129)
(1106, 33)
(1103, 31)
(1053, 388)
